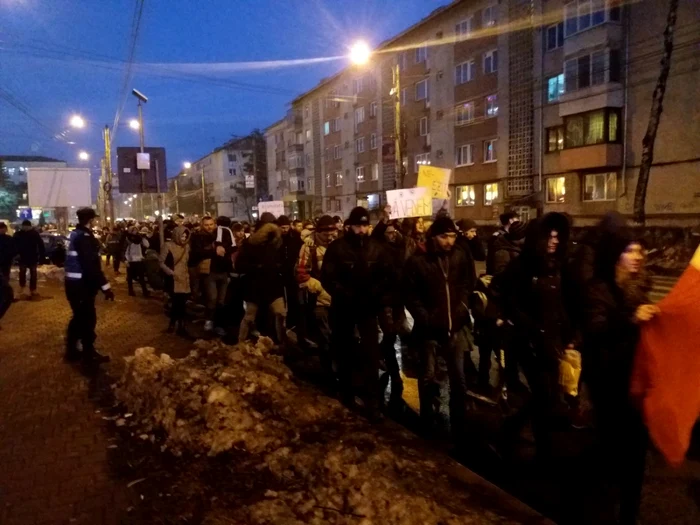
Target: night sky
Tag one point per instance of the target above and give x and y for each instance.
(59, 57)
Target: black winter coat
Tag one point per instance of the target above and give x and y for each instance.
(8, 250)
(504, 251)
(436, 292)
(291, 246)
(260, 262)
(29, 246)
(222, 263)
(469, 248)
(201, 247)
(357, 273)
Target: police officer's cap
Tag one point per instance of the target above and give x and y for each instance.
(85, 214)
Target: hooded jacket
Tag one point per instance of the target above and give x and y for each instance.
(536, 290)
(436, 291)
(309, 269)
(357, 272)
(29, 246)
(174, 256)
(504, 251)
(260, 262)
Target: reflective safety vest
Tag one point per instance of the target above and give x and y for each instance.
(72, 266)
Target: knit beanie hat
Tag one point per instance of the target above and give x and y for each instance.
(325, 223)
(283, 220)
(517, 230)
(442, 225)
(466, 224)
(358, 216)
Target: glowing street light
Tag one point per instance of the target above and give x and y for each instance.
(77, 121)
(360, 53)
(83, 155)
(187, 165)
(134, 124)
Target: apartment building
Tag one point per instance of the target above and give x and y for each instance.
(535, 106)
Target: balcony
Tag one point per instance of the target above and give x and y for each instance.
(587, 157)
(295, 119)
(292, 147)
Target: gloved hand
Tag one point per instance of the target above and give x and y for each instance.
(109, 294)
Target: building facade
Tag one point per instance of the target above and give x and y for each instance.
(535, 106)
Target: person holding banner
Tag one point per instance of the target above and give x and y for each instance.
(357, 274)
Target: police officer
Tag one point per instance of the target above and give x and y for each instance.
(84, 278)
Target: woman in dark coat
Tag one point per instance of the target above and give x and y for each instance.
(616, 305)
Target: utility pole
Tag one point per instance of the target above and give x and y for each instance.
(107, 185)
(177, 200)
(204, 196)
(398, 154)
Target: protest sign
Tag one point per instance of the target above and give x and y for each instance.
(410, 202)
(276, 208)
(437, 180)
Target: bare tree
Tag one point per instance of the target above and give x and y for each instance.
(655, 115)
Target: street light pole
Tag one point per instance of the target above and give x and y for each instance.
(177, 199)
(108, 172)
(398, 160)
(204, 196)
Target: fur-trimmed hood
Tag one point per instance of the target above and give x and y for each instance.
(267, 233)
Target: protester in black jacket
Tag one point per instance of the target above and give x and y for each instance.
(356, 272)
(617, 304)
(199, 263)
(8, 251)
(30, 248)
(219, 275)
(506, 219)
(469, 242)
(537, 293)
(291, 245)
(437, 296)
(260, 262)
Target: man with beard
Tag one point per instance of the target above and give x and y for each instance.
(437, 296)
(536, 293)
(199, 264)
(357, 274)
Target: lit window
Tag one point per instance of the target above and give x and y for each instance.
(360, 173)
(555, 139)
(594, 127)
(465, 113)
(491, 61)
(464, 155)
(423, 126)
(490, 150)
(464, 72)
(422, 89)
(466, 196)
(360, 145)
(600, 187)
(492, 105)
(421, 54)
(490, 194)
(326, 127)
(488, 17)
(336, 151)
(375, 171)
(373, 141)
(464, 28)
(308, 135)
(338, 178)
(328, 180)
(555, 36)
(555, 87)
(556, 189)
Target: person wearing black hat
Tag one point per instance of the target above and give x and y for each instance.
(506, 219)
(83, 279)
(30, 249)
(537, 293)
(437, 295)
(357, 274)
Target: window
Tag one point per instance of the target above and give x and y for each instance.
(360, 173)
(491, 61)
(490, 150)
(338, 178)
(555, 36)
(359, 116)
(403, 96)
(600, 187)
(488, 16)
(300, 138)
(555, 87)
(583, 14)
(595, 127)
(357, 85)
(466, 196)
(556, 189)
(308, 135)
(401, 61)
(336, 124)
(325, 155)
(326, 127)
(491, 105)
(336, 205)
(375, 171)
(422, 158)
(373, 141)
(328, 180)
(360, 145)
(336, 151)
(594, 69)
(464, 72)
(598, 68)
(423, 126)
(232, 157)
(421, 54)
(373, 109)
(422, 89)
(555, 139)
(464, 156)
(232, 172)
(464, 28)
(465, 113)
(490, 193)
(307, 111)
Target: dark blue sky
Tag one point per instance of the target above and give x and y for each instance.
(59, 57)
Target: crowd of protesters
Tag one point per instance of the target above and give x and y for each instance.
(342, 289)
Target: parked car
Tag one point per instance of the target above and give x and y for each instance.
(55, 246)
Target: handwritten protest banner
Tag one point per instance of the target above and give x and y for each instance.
(410, 202)
(437, 180)
(276, 208)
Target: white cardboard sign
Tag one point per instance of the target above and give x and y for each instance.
(409, 202)
(276, 208)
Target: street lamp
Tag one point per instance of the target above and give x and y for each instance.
(187, 165)
(134, 124)
(77, 121)
(83, 155)
(360, 53)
